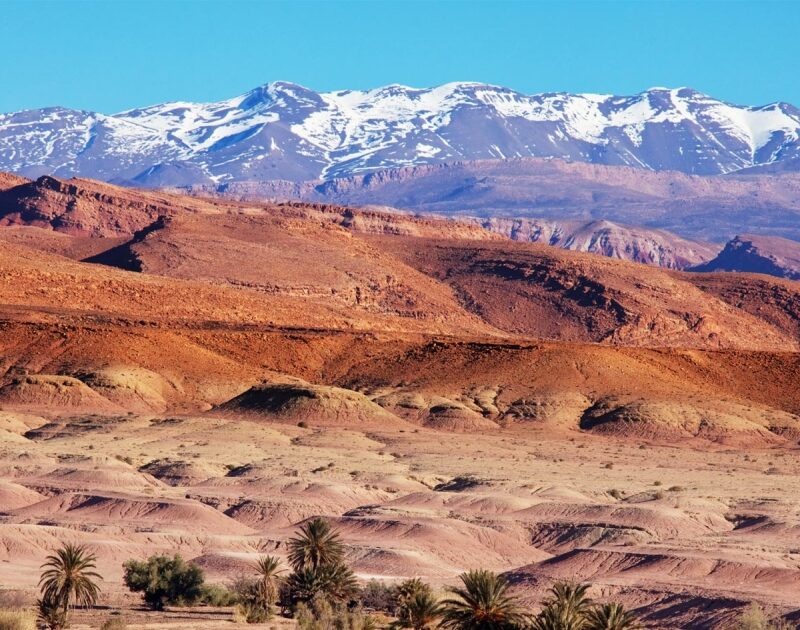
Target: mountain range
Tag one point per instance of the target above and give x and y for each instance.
(283, 131)
(701, 208)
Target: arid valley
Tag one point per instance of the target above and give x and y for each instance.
(199, 376)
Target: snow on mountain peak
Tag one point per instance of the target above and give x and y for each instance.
(282, 130)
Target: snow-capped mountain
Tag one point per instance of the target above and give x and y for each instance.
(285, 131)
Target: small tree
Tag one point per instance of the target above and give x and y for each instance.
(407, 593)
(165, 581)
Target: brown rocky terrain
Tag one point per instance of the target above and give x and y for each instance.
(649, 246)
(198, 376)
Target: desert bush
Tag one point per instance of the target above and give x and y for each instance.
(163, 580)
(754, 618)
(456, 484)
(114, 623)
(14, 600)
(17, 620)
(377, 595)
(320, 614)
(249, 594)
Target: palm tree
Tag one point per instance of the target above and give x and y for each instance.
(334, 582)
(316, 545)
(565, 609)
(408, 588)
(482, 604)
(555, 618)
(406, 592)
(421, 611)
(68, 578)
(268, 569)
(611, 617)
(570, 597)
(51, 614)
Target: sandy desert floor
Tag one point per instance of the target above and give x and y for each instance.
(684, 534)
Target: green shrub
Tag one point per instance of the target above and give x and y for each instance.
(217, 595)
(320, 614)
(17, 620)
(165, 581)
(251, 607)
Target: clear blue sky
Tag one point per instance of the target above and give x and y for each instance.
(113, 55)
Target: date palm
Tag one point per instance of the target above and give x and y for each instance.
(51, 614)
(570, 597)
(421, 611)
(611, 617)
(408, 588)
(565, 609)
(315, 546)
(69, 578)
(483, 603)
(555, 618)
(406, 592)
(332, 582)
(269, 578)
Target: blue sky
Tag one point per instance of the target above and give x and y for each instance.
(114, 55)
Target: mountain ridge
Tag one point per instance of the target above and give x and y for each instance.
(285, 131)
(704, 208)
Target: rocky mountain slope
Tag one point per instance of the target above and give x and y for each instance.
(393, 271)
(649, 246)
(285, 131)
(698, 208)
